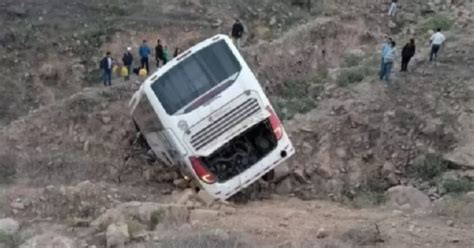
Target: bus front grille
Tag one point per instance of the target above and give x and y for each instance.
(224, 123)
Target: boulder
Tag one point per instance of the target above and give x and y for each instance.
(406, 197)
(284, 187)
(117, 235)
(9, 226)
(363, 234)
(462, 156)
(49, 240)
(148, 213)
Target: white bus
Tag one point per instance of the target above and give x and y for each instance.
(206, 113)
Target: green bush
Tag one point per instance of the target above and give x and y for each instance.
(156, 218)
(9, 240)
(438, 21)
(428, 167)
(352, 60)
(458, 186)
(350, 76)
(7, 169)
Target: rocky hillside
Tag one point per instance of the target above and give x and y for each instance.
(375, 166)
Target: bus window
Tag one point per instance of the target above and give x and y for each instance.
(146, 117)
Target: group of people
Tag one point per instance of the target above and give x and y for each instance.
(389, 53)
(162, 56)
(125, 68)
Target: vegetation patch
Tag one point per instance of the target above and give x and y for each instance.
(352, 75)
(7, 169)
(156, 218)
(370, 195)
(428, 167)
(352, 60)
(437, 21)
(458, 186)
(298, 97)
(8, 241)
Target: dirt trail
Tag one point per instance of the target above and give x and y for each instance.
(291, 219)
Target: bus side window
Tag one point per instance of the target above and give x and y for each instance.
(146, 117)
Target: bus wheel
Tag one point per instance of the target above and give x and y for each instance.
(269, 176)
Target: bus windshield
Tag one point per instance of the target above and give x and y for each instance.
(195, 76)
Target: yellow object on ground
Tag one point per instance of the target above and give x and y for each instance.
(142, 72)
(124, 71)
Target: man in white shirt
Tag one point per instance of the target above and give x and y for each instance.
(436, 41)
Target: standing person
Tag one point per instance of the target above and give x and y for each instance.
(177, 51)
(408, 52)
(393, 8)
(237, 32)
(128, 61)
(386, 46)
(388, 62)
(106, 65)
(436, 42)
(144, 52)
(166, 55)
(158, 53)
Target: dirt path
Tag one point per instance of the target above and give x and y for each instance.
(289, 219)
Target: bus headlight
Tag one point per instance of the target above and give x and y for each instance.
(183, 125)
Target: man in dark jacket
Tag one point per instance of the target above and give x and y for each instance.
(237, 32)
(408, 52)
(159, 53)
(106, 67)
(128, 61)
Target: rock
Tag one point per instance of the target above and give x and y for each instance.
(18, 204)
(117, 235)
(180, 183)
(227, 210)
(148, 213)
(392, 24)
(217, 23)
(363, 235)
(9, 226)
(205, 198)
(470, 195)
(321, 233)
(300, 176)
(203, 215)
(462, 156)
(182, 197)
(48, 71)
(17, 10)
(87, 145)
(388, 168)
(399, 196)
(284, 187)
(106, 119)
(450, 223)
(280, 172)
(307, 148)
(49, 240)
(273, 21)
(341, 153)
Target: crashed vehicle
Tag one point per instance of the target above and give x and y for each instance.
(206, 113)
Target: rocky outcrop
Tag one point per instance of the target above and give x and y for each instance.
(148, 213)
(9, 226)
(407, 198)
(49, 240)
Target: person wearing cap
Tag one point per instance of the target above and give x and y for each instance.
(128, 61)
